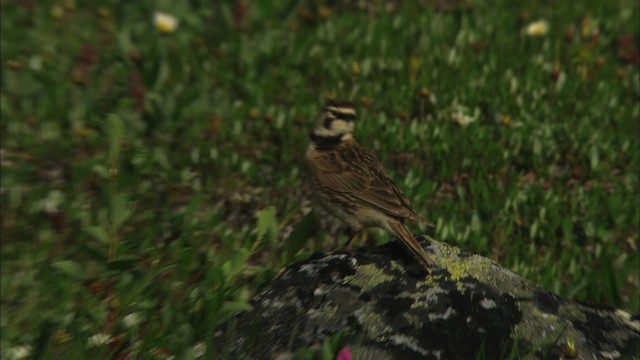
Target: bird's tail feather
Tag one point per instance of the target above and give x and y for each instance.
(419, 219)
(410, 241)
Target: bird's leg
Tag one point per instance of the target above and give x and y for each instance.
(352, 233)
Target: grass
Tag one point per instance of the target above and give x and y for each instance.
(150, 180)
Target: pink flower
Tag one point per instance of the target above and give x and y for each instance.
(344, 354)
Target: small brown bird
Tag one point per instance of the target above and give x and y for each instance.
(352, 184)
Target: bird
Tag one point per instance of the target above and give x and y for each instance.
(352, 184)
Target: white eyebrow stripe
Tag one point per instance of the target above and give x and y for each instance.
(324, 132)
(342, 110)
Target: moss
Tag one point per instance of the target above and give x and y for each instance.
(369, 276)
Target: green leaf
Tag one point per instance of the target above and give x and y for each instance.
(98, 233)
(332, 345)
(236, 263)
(268, 225)
(161, 76)
(232, 307)
(327, 351)
(124, 263)
(121, 210)
(124, 41)
(115, 131)
(239, 302)
(94, 250)
(70, 268)
(192, 206)
(41, 343)
(299, 236)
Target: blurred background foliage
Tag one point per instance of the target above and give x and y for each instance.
(150, 156)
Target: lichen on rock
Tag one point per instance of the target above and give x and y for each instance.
(466, 308)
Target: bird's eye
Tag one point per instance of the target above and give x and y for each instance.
(327, 122)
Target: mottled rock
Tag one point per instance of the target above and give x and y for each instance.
(468, 308)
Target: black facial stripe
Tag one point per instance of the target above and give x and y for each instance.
(344, 116)
(340, 103)
(325, 142)
(327, 122)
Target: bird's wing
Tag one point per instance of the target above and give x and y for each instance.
(350, 169)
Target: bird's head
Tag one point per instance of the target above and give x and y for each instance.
(336, 122)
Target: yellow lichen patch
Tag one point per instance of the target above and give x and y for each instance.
(368, 276)
(573, 312)
(433, 280)
(324, 312)
(375, 324)
(421, 301)
(527, 328)
(415, 320)
(474, 267)
(397, 267)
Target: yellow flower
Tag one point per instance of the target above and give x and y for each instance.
(254, 113)
(69, 4)
(104, 12)
(61, 336)
(537, 28)
(164, 22)
(57, 11)
(355, 69)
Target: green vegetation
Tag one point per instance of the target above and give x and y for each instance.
(150, 180)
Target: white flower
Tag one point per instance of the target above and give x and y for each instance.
(35, 63)
(52, 202)
(460, 115)
(199, 349)
(537, 28)
(98, 340)
(132, 319)
(164, 22)
(461, 118)
(19, 352)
